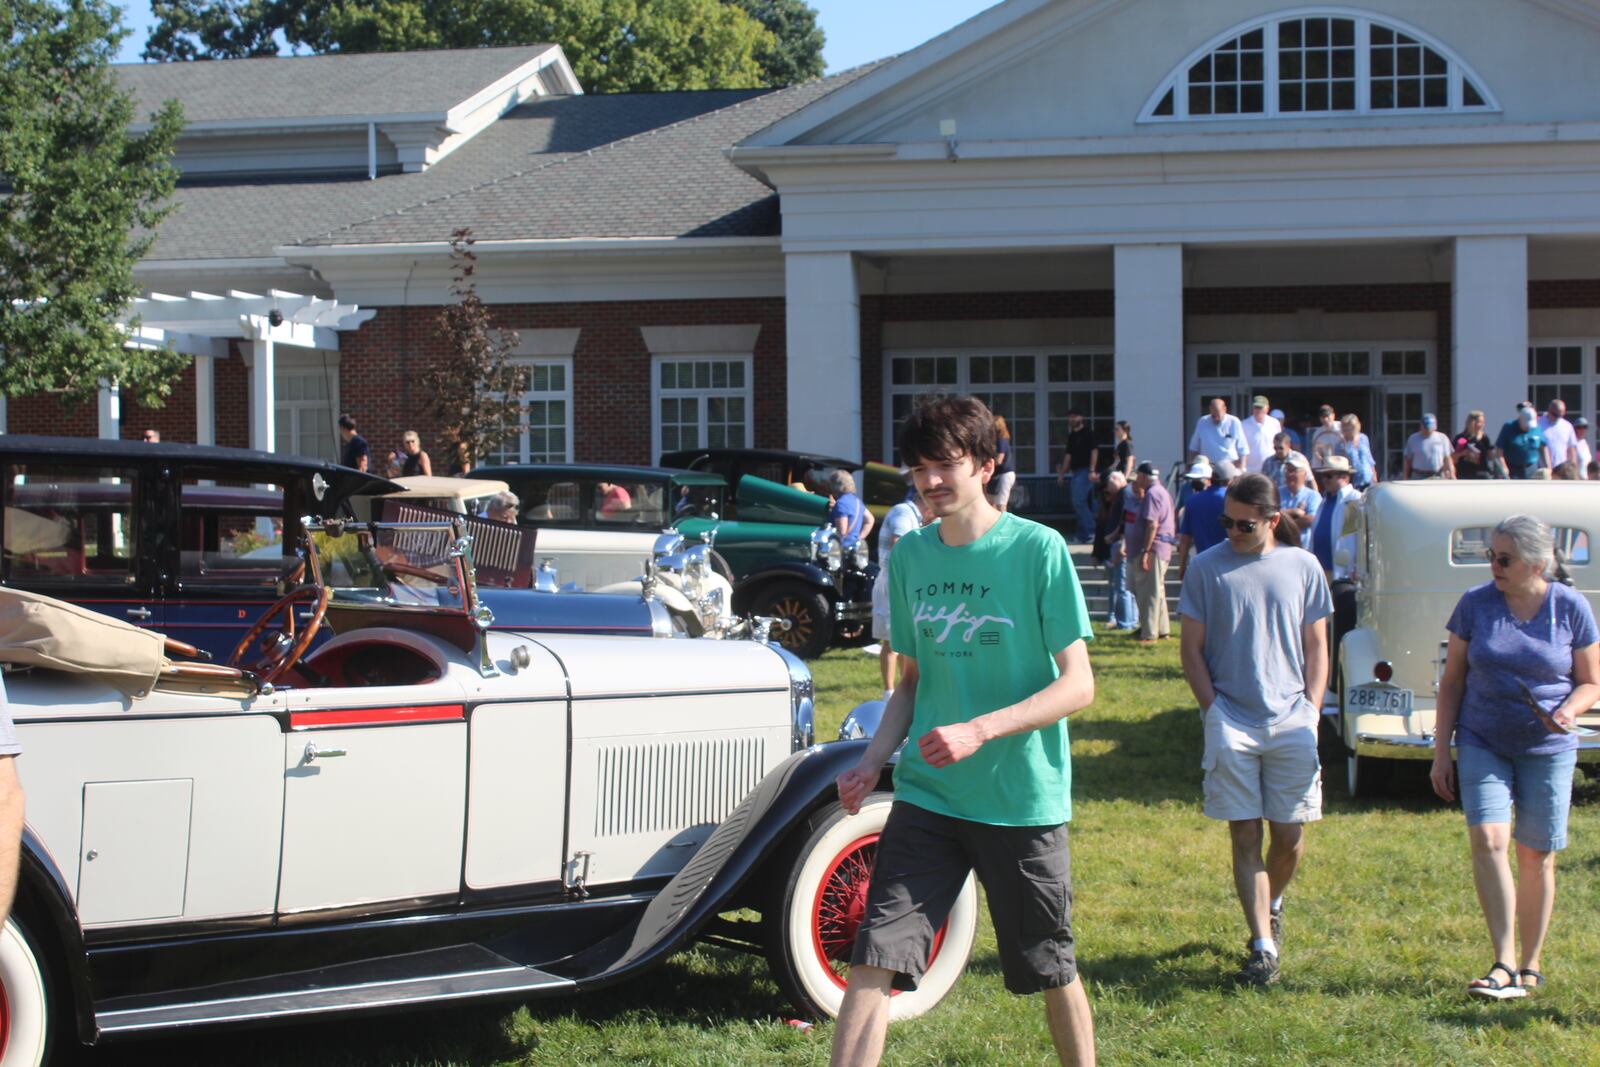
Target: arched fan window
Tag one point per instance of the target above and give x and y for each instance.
(1318, 62)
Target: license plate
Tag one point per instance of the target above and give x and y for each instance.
(1384, 699)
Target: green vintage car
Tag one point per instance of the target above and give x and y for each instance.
(782, 557)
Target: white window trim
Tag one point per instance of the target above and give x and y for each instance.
(1041, 387)
(656, 394)
(564, 395)
(1177, 81)
(1588, 375)
(308, 362)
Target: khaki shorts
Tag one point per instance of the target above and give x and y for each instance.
(1262, 772)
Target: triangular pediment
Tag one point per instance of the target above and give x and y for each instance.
(1050, 70)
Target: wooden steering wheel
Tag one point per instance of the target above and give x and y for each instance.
(286, 646)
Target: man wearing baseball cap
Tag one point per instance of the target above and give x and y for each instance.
(1428, 452)
(1259, 430)
(1199, 528)
(1149, 540)
(1521, 447)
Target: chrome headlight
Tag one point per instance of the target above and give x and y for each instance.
(802, 712)
(860, 556)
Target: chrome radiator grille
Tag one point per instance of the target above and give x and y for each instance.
(649, 788)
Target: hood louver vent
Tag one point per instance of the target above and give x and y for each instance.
(675, 785)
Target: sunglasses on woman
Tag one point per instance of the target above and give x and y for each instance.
(1503, 561)
(1244, 525)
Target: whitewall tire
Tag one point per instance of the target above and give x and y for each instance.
(24, 1004)
(818, 900)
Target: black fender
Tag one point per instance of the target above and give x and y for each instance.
(809, 573)
(735, 852)
(45, 904)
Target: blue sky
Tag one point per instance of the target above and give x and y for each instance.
(858, 30)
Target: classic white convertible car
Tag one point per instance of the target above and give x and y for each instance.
(423, 809)
(1420, 545)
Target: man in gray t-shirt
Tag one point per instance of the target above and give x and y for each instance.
(1428, 452)
(1255, 653)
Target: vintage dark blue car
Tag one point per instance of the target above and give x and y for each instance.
(197, 542)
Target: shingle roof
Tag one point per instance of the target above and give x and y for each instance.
(291, 87)
(251, 219)
(672, 181)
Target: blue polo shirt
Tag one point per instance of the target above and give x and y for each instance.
(1200, 517)
(1520, 446)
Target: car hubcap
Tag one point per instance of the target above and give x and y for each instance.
(841, 904)
(799, 619)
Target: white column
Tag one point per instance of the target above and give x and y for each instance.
(205, 401)
(824, 353)
(1489, 327)
(2, 413)
(263, 401)
(1149, 349)
(110, 411)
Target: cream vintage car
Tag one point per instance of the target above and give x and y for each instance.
(426, 808)
(1418, 547)
(655, 564)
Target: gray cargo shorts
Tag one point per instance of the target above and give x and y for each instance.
(923, 860)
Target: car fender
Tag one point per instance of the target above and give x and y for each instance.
(44, 903)
(809, 573)
(863, 720)
(1358, 653)
(736, 851)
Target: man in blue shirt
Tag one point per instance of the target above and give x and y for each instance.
(1521, 445)
(1200, 527)
(1219, 436)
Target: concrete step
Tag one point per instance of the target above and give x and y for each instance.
(1097, 590)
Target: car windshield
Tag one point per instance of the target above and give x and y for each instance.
(1469, 545)
(697, 501)
(391, 564)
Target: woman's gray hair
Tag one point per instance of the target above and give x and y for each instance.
(503, 500)
(1531, 540)
(1116, 480)
(841, 482)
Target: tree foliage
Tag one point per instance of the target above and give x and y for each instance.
(475, 392)
(613, 45)
(795, 54)
(74, 184)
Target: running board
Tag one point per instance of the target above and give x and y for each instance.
(456, 973)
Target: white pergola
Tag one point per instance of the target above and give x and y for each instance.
(202, 324)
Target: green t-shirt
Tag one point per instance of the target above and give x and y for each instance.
(984, 622)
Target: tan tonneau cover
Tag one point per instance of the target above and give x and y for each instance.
(40, 631)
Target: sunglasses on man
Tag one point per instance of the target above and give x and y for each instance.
(1244, 525)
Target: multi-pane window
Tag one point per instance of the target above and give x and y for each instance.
(303, 414)
(1402, 415)
(1303, 364)
(544, 433)
(69, 525)
(1232, 79)
(1032, 390)
(1317, 65)
(1568, 371)
(703, 403)
(1334, 63)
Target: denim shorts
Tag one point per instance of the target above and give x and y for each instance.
(1262, 772)
(1540, 787)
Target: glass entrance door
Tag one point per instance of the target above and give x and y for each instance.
(1402, 416)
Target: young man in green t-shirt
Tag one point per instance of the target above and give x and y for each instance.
(986, 611)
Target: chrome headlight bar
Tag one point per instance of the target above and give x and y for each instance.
(826, 549)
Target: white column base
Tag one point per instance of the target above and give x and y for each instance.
(205, 401)
(1489, 329)
(263, 398)
(110, 420)
(824, 353)
(1149, 349)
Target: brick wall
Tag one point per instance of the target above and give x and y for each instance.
(380, 365)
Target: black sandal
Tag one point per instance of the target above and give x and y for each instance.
(1494, 989)
(1527, 973)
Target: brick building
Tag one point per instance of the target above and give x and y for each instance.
(1125, 206)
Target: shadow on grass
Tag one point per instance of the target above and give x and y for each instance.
(1150, 759)
(1504, 1015)
(709, 988)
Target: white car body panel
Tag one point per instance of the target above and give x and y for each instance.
(594, 559)
(217, 789)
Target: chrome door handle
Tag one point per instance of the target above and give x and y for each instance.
(139, 613)
(314, 753)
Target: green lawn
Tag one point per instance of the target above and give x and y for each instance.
(1383, 932)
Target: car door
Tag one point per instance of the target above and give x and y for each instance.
(230, 562)
(374, 797)
(73, 530)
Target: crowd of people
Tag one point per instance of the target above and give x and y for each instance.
(987, 624)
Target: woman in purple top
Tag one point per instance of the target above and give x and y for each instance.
(1517, 640)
